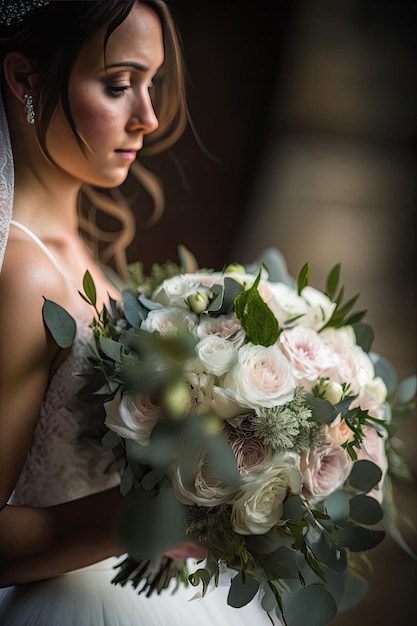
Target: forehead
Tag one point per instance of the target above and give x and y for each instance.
(139, 39)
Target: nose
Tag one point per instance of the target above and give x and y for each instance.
(143, 116)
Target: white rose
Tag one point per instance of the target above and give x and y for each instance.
(324, 470)
(132, 415)
(309, 356)
(320, 308)
(283, 300)
(312, 308)
(259, 504)
(169, 321)
(175, 291)
(260, 377)
(216, 354)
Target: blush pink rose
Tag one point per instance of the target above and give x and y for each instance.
(133, 415)
(309, 356)
(324, 470)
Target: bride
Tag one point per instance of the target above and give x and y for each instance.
(85, 85)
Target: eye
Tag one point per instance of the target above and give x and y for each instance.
(117, 90)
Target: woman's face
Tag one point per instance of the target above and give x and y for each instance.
(110, 101)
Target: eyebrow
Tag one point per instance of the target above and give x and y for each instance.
(136, 66)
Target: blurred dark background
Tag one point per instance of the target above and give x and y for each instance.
(307, 115)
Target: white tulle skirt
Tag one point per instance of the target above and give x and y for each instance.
(87, 597)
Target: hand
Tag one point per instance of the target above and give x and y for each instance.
(187, 550)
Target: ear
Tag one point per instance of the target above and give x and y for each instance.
(18, 73)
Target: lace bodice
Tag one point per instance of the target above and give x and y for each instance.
(58, 468)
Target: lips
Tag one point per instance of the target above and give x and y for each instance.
(127, 153)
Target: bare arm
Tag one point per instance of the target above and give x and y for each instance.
(39, 543)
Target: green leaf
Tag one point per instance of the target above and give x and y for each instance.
(126, 483)
(364, 335)
(406, 390)
(322, 410)
(225, 297)
(337, 506)
(59, 322)
(112, 349)
(257, 319)
(187, 259)
(134, 312)
(385, 370)
(312, 606)
(355, 590)
(151, 524)
(243, 589)
(303, 278)
(222, 461)
(365, 510)
(359, 538)
(333, 281)
(90, 288)
(365, 475)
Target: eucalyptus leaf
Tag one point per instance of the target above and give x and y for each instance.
(355, 590)
(312, 606)
(359, 538)
(365, 475)
(225, 296)
(126, 483)
(274, 260)
(322, 411)
(337, 506)
(269, 601)
(112, 349)
(364, 334)
(243, 589)
(152, 478)
(133, 310)
(151, 524)
(386, 371)
(110, 439)
(407, 389)
(59, 322)
(365, 510)
(222, 461)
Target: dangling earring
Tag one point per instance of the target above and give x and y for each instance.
(30, 111)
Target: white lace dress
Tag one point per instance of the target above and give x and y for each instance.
(58, 469)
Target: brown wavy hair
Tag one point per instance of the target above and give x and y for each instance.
(52, 36)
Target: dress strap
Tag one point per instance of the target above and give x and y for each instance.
(40, 243)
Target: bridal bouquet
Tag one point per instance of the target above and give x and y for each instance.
(249, 413)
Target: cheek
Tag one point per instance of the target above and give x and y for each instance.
(95, 121)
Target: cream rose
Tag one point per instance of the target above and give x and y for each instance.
(324, 469)
(259, 504)
(202, 487)
(223, 326)
(260, 377)
(216, 354)
(169, 321)
(173, 292)
(133, 415)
